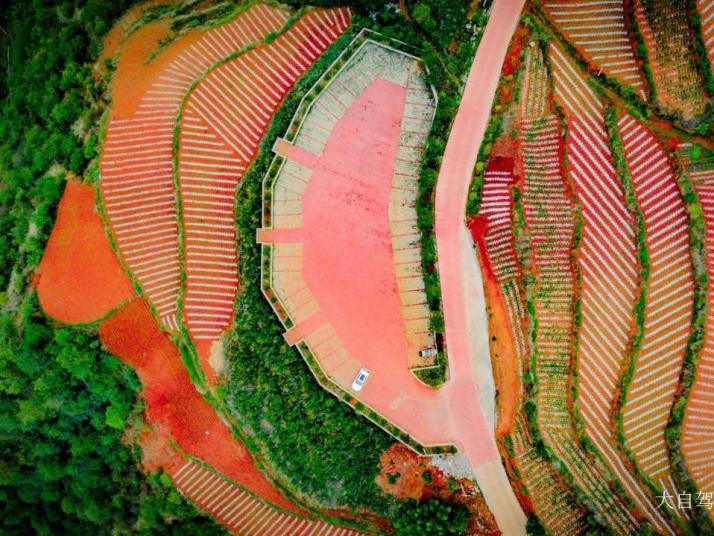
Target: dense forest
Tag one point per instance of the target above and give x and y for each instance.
(67, 408)
(65, 467)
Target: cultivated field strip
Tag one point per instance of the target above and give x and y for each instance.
(241, 512)
(552, 500)
(706, 17)
(597, 29)
(698, 428)
(668, 311)
(549, 215)
(609, 270)
(549, 218)
(219, 137)
(665, 29)
(497, 206)
(136, 165)
(534, 85)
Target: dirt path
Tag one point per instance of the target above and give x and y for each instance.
(462, 288)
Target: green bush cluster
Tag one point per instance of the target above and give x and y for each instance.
(430, 517)
(64, 464)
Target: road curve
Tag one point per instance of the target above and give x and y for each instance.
(461, 287)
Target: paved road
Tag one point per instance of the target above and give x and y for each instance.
(461, 286)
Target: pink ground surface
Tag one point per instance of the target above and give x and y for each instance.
(348, 265)
(348, 262)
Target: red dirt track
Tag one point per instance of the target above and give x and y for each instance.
(174, 405)
(80, 279)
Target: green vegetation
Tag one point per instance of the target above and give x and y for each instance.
(430, 518)
(66, 469)
(66, 466)
(534, 527)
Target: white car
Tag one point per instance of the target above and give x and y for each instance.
(360, 379)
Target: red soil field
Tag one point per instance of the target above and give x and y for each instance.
(172, 403)
(504, 358)
(219, 139)
(597, 29)
(79, 279)
(113, 39)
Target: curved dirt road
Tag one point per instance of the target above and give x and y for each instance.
(462, 289)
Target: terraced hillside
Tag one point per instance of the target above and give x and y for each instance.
(609, 270)
(218, 139)
(281, 264)
(550, 221)
(668, 312)
(608, 274)
(552, 501)
(173, 156)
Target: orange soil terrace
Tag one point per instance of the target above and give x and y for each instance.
(219, 138)
(173, 404)
(71, 286)
(609, 271)
(136, 164)
(178, 411)
(113, 39)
